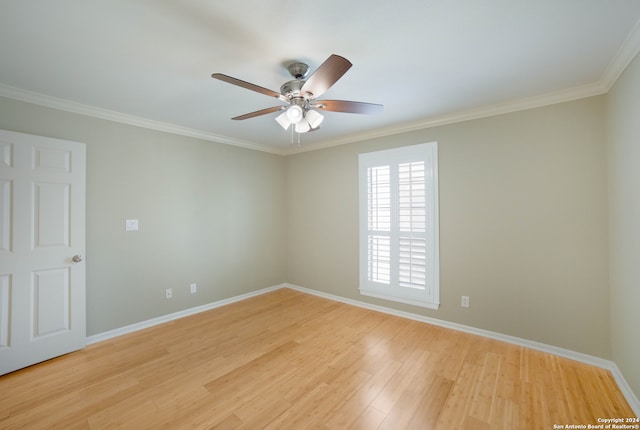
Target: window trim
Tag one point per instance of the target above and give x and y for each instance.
(430, 296)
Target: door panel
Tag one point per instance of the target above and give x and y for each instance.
(42, 226)
(50, 215)
(50, 301)
(51, 159)
(5, 294)
(6, 154)
(5, 215)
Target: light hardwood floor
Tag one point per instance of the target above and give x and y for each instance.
(289, 360)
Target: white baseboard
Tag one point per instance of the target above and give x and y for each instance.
(609, 365)
(176, 315)
(627, 392)
(562, 352)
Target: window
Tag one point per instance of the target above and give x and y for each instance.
(399, 225)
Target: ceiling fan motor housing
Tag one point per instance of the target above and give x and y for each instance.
(298, 70)
(292, 90)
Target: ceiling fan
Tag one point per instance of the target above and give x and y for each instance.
(301, 95)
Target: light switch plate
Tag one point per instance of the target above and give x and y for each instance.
(131, 225)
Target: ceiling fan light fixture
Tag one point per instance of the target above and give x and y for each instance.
(294, 114)
(302, 127)
(314, 118)
(283, 120)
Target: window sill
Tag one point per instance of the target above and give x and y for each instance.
(414, 302)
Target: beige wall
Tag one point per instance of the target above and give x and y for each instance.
(523, 220)
(523, 223)
(623, 138)
(209, 213)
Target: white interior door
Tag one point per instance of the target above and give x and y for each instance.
(42, 228)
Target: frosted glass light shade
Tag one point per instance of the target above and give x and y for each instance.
(314, 118)
(283, 120)
(302, 126)
(294, 113)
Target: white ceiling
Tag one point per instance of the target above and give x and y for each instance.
(149, 62)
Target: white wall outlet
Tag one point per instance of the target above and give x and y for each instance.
(131, 225)
(194, 288)
(168, 293)
(464, 302)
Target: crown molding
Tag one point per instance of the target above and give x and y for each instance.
(110, 115)
(625, 55)
(570, 94)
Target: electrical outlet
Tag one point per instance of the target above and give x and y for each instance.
(194, 288)
(464, 302)
(168, 293)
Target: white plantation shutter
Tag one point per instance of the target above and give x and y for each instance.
(379, 224)
(411, 225)
(398, 224)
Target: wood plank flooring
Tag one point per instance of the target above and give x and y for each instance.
(289, 360)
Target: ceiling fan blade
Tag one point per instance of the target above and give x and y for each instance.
(326, 75)
(247, 85)
(260, 112)
(348, 106)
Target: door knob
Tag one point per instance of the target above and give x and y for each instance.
(76, 258)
